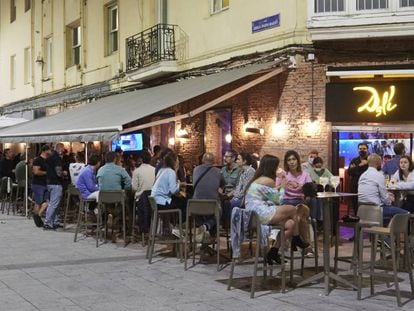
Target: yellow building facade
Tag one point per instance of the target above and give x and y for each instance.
(51, 48)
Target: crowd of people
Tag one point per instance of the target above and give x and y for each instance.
(275, 192)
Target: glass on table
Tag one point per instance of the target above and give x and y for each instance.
(335, 181)
(323, 181)
(387, 180)
(392, 184)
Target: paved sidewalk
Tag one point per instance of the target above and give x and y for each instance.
(45, 270)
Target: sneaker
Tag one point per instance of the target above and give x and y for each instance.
(200, 234)
(176, 232)
(109, 222)
(38, 220)
(47, 227)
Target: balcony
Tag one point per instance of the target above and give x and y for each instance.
(351, 19)
(155, 52)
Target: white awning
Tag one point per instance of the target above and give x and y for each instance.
(105, 118)
(7, 121)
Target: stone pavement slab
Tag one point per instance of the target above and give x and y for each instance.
(45, 270)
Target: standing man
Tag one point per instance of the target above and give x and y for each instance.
(391, 166)
(54, 186)
(39, 185)
(7, 164)
(357, 167)
(230, 173)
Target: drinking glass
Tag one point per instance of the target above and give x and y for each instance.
(335, 180)
(392, 183)
(324, 181)
(387, 180)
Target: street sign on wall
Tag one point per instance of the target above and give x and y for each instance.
(266, 23)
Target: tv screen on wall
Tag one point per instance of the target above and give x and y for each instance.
(130, 142)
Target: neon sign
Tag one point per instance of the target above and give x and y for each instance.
(375, 104)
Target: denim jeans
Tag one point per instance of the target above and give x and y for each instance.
(52, 215)
(293, 202)
(388, 211)
(316, 207)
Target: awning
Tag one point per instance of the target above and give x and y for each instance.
(105, 118)
(7, 121)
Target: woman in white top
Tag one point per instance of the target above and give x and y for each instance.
(405, 180)
(167, 186)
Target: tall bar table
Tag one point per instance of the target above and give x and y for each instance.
(327, 219)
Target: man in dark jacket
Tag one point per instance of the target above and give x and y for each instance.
(357, 167)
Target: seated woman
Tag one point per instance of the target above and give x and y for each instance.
(405, 180)
(294, 179)
(167, 186)
(263, 198)
(244, 161)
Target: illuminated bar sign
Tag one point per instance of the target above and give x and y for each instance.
(385, 101)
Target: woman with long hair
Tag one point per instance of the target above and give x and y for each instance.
(263, 197)
(405, 180)
(294, 179)
(244, 161)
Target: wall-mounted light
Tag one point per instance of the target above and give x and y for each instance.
(255, 126)
(171, 141)
(228, 138)
(183, 133)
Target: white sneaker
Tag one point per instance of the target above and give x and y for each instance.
(109, 221)
(200, 234)
(176, 231)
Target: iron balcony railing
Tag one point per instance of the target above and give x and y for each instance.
(151, 46)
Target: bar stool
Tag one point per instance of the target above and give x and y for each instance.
(292, 257)
(71, 192)
(156, 213)
(83, 217)
(397, 227)
(115, 197)
(200, 208)
(369, 215)
(255, 230)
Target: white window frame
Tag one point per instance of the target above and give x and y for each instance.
(113, 31)
(219, 4)
(407, 6)
(372, 9)
(49, 57)
(76, 45)
(13, 72)
(315, 2)
(27, 65)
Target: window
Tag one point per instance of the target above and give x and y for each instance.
(322, 6)
(27, 65)
(406, 3)
(74, 44)
(219, 5)
(13, 72)
(12, 11)
(27, 5)
(48, 62)
(112, 29)
(372, 4)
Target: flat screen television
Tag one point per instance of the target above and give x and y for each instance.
(379, 143)
(130, 142)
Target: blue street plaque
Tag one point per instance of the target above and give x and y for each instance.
(266, 23)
